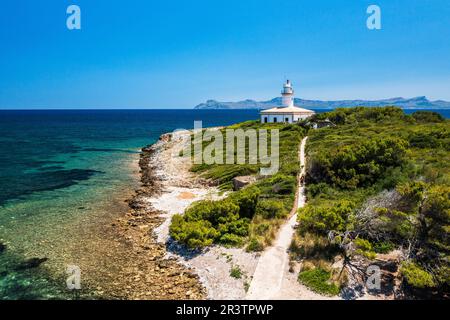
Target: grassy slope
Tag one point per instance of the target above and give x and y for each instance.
(279, 188)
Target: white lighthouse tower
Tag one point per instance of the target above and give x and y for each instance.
(287, 95)
(287, 113)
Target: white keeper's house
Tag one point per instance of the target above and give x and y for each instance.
(287, 113)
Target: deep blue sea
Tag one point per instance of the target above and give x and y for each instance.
(61, 170)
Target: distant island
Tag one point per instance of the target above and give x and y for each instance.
(412, 103)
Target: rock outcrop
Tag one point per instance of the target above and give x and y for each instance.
(242, 181)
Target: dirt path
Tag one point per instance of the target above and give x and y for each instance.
(270, 280)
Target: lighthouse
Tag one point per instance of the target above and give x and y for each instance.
(287, 94)
(287, 113)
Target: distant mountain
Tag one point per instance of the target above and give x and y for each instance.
(413, 103)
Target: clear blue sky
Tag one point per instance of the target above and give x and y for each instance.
(178, 53)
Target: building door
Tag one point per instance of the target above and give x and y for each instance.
(287, 119)
(275, 120)
(265, 119)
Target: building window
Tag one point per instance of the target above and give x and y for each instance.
(287, 119)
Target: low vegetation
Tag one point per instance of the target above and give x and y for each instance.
(236, 272)
(319, 280)
(378, 181)
(251, 215)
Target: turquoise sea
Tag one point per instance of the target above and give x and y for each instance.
(65, 174)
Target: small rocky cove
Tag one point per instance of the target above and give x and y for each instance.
(150, 274)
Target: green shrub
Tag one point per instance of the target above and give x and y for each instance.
(206, 222)
(317, 189)
(342, 116)
(363, 244)
(236, 272)
(213, 211)
(194, 234)
(269, 209)
(246, 199)
(359, 164)
(255, 245)
(427, 116)
(364, 247)
(283, 184)
(424, 140)
(261, 229)
(416, 276)
(319, 281)
(383, 247)
(322, 219)
(231, 239)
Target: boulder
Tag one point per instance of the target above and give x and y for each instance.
(242, 181)
(31, 263)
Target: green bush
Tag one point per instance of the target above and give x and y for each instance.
(383, 247)
(318, 189)
(364, 247)
(357, 165)
(231, 239)
(363, 244)
(427, 116)
(255, 245)
(269, 209)
(424, 140)
(283, 184)
(261, 228)
(225, 221)
(416, 276)
(206, 222)
(247, 200)
(322, 219)
(236, 272)
(354, 115)
(194, 234)
(319, 280)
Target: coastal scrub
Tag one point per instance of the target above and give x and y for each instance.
(251, 215)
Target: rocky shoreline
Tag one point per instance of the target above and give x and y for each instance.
(152, 275)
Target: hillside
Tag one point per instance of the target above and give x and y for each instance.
(412, 103)
(378, 196)
(377, 191)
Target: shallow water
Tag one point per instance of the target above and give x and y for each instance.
(64, 177)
